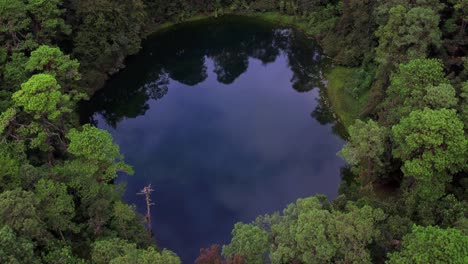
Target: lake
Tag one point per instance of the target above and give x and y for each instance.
(227, 119)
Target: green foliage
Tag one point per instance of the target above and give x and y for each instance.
(351, 38)
(24, 24)
(57, 207)
(5, 118)
(440, 96)
(148, 256)
(307, 232)
(323, 20)
(9, 168)
(41, 96)
(13, 20)
(310, 234)
(47, 15)
(97, 149)
(416, 85)
(118, 251)
(109, 31)
(18, 209)
(432, 245)
(50, 60)
(15, 250)
(365, 149)
(104, 251)
(14, 73)
(432, 146)
(127, 223)
(62, 256)
(345, 105)
(248, 241)
(464, 104)
(418, 30)
(49, 212)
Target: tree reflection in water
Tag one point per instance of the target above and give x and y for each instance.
(181, 53)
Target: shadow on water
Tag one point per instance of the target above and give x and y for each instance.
(227, 118)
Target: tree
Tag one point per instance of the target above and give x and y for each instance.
(41, 96)
(18, 210)
(14, 24)
(9, 167)
(15, 249)
(127, 223)
(24, 24)
(57, 207)
(47, 21)
(351, 39)
(413, 87)
(44, 106)
(14, 73)
(103, 251)
(248, 241)
(118, 251)
(365, 149)
(432, 146)
(464, 104)
(148, 256)
(432, 245)
(62, 255)
(210, 255)
(97, 149)
(440, 96)
(109, 31)
(46, 59)
(308, 233)
(408, 34)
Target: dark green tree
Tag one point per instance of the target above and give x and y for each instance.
(432, 146)
(15, 249)
(248, 241)
(408, 34)
(366, 149)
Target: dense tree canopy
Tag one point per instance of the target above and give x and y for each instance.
(432, 245)
(432, 146)
(404, 200)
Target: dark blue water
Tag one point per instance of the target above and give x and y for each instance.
(226, 120)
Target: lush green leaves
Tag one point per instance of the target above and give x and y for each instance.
(432, 245)
(310, 234)
(15, 250)
(57, 207)
(96, 147)
(432, 145)
(118, 251)
(41, 96)
(417, 84)
(248, 241)
(408, 34)
(51, 60)
(18, 209)
(365, 149)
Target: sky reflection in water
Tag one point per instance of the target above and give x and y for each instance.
(224, 132)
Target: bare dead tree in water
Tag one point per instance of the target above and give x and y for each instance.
(147, 193)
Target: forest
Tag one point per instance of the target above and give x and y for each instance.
(404, 199)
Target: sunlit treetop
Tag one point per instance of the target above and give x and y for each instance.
(41, 96)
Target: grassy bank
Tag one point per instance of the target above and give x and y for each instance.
(169, 24)
(345, 106)
(281, 19)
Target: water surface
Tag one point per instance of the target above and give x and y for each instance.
(226, 119)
